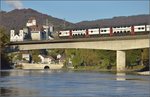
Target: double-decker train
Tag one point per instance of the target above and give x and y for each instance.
(108, 31)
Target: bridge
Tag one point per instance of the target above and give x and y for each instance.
(118, 43)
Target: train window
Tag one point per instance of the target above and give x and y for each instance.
(101, 30)
(104, 30)
(59, 33)
(139, 28)
(142, 27)
(91, 31)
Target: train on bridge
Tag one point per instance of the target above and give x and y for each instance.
(107, 31)
(84, 33)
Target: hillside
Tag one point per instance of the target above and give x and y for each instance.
(16, 19)
(116, 21)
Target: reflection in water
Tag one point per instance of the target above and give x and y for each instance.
(51, 83)
(121, 76)
(10, 91)
(4, 73)
(5, 92)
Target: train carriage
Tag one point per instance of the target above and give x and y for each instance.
(124, 30)
(106, 31)
(141, 29)
(64, 34)
(79, 33)
(109, 31)
(94, 32)
(148, 28)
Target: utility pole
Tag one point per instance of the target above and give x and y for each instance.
(47, 28)
(64, 23)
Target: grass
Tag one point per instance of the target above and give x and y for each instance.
(100, 69)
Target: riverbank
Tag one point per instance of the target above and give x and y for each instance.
(133, 70)
(113, 68)
(38, 66)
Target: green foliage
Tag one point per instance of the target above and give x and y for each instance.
(145, 54)
(4, 38)
(145, 57)
(86, 57)
(131, 56)
(35, 57)
(55, 52)
(5, 59)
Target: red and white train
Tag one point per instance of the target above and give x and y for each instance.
(109, 31)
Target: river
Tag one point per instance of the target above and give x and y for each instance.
(52, 83)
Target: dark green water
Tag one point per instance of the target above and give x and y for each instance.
(39, 83)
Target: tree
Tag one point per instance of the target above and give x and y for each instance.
(145, 57)
(35, 57)
(4, 40)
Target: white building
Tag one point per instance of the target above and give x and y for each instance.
(32, 32)
(46, 59)
(31, 22)
(16, 37)
(37, 32)
(26, 57)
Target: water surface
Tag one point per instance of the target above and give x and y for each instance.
(70, 83)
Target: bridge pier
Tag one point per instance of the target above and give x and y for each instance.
(121, 61)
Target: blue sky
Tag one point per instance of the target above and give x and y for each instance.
(76, 11)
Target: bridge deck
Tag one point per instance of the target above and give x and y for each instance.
(81, 39)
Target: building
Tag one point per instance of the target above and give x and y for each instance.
(26, 57)
(16, 36)
(47, 59)
(37, 32)
(31, 22)
(48, 29)
(32, 31)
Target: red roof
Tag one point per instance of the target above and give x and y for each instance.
(36, 28)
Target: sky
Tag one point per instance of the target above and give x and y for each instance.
(85, 10)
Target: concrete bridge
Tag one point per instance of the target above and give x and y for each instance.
(118, 43)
